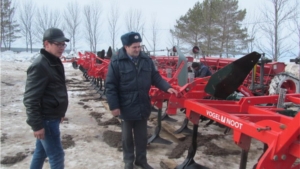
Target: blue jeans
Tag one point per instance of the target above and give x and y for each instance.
(50, 147)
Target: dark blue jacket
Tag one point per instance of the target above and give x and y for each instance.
(127, 86)
(203, 71)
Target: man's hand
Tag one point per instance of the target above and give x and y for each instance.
(116, 112)
(40, 134)
(62, 119)
(172, 91)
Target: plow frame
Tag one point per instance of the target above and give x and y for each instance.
(280, 133)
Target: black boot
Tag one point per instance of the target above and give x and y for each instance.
(144, 165)
(128, 166)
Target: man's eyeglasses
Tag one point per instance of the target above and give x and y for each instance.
(61, 45)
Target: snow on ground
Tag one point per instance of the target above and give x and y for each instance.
(22, 56)
(17, 137)
(17, 57)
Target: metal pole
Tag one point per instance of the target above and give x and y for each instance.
(297, 61)
(244, 157)
(298, 78)
(253, 78)
(262, 72)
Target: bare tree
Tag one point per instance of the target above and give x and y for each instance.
(72, 20)
(296, 23)
(92, 13)
(46, 18)
(154, 29)
(252, 28)
(298, 33)
(113, 19)
(134, 20)
(273, 28)
(173, 40)
(26, 18)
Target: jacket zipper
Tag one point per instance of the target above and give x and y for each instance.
(137, 73)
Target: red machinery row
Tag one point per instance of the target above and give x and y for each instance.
(257, 117)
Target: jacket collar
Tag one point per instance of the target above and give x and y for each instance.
(52, 60)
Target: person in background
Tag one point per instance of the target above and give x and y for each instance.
(130, 76)
(46, 100)
(200, 70)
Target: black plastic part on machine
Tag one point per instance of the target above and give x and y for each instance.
(297, 60)
(227, 80)
(75, 65)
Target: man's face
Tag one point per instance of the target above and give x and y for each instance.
(134, 49)
(55, 48)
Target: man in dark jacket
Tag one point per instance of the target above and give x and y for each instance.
(46, 100)
(200, 70)
(130, 76)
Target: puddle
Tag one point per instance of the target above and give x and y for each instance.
(97, 116)
(113, 139)
(3, 137)
(13, 159)
(112, 121)
(67, 141)
(80, 103)
(86, 106)
(88, 99)
(7, 84)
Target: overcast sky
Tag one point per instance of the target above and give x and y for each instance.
(165, 11)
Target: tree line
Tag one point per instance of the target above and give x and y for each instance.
(28, 21)
(218, 27)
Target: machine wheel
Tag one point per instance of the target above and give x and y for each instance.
(284, 80)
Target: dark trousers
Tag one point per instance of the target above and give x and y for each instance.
(134, 135)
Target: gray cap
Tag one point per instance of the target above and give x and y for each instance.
(55, 35)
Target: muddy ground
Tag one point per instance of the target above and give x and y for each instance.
(91, 137)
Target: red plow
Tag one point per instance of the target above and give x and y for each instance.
(279, 133)
(94, 67)
(251, 117)
(259, 117)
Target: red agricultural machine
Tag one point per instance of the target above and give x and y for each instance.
(94, 68)
(261, 117)
(266, 77)
(256, 115)
(256, 83)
